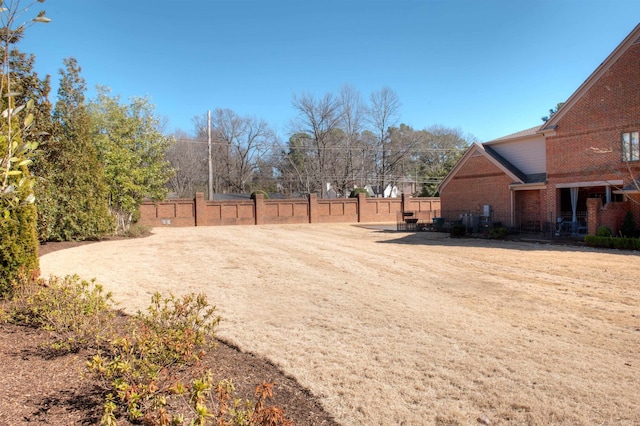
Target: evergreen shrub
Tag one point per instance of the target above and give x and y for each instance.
(620, 243)
(458, 230)
(603, 231)
(498, 233)
(628, 226)
(354, 193)
(264, 194)
(18, 246)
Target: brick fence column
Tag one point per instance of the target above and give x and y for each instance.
(407, 205)
(593, 215)
(199, 206)
(362, 201)
(259, 208)
(313, 208)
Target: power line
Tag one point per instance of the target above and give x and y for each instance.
(335, 148)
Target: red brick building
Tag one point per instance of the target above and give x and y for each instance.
(580, 167)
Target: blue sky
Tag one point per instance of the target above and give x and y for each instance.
(487, 67)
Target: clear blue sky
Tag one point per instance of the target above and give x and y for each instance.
(489, 68)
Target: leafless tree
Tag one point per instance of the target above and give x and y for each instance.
(318, 119)
(188, 156)
(382, 116)
(247, 141)
(352, 111)
(218, 155)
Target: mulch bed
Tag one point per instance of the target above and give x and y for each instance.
(41, 387)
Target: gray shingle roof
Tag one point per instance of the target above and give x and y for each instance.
(520, 134)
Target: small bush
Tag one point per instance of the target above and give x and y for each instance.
(78, 312)
(498, 233)
(603, 231)
(355, 191)
(144, 364)
(628, 226)
(458, 230)
(137, 230)
(149, 369)
(254, 193)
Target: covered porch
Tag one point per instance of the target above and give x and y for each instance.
(571, 204)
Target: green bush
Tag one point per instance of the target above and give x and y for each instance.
(77, 311)
(603, 231)
(137, 230)
(628, 226)
(18, 246)
(148, 368)
(458, 230)
(498, 233)
(145, 363)
(259, 191)
(619, 243)
(355, 191)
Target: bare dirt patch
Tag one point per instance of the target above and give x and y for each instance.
(397, 328)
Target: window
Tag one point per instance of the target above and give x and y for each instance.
(630, 147)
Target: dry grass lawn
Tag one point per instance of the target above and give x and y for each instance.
(398, 328)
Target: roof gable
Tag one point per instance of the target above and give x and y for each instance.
(632, 39)
(492, 156)
(526, 150)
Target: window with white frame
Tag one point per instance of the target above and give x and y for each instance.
(630, 147)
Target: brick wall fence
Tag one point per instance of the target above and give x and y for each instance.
(611, 215)
(199, 212)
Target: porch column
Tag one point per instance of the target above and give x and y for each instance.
(512, 194)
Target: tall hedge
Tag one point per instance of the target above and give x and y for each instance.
(18, 140)
(18, 245)
(73, 197)
(18, 217)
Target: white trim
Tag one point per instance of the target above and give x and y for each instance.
(513, 196)
(527, 186)
(593, 183)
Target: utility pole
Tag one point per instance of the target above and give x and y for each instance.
(210, 154)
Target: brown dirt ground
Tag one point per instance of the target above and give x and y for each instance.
(400, 328)
(41, 387)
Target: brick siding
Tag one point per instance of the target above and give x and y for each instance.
(478, 183)
(587, 143)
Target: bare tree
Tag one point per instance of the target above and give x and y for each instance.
(352, 112)
(188, 156)
(382, 115)
(246, 140)
(318, 119)
(218, 155)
